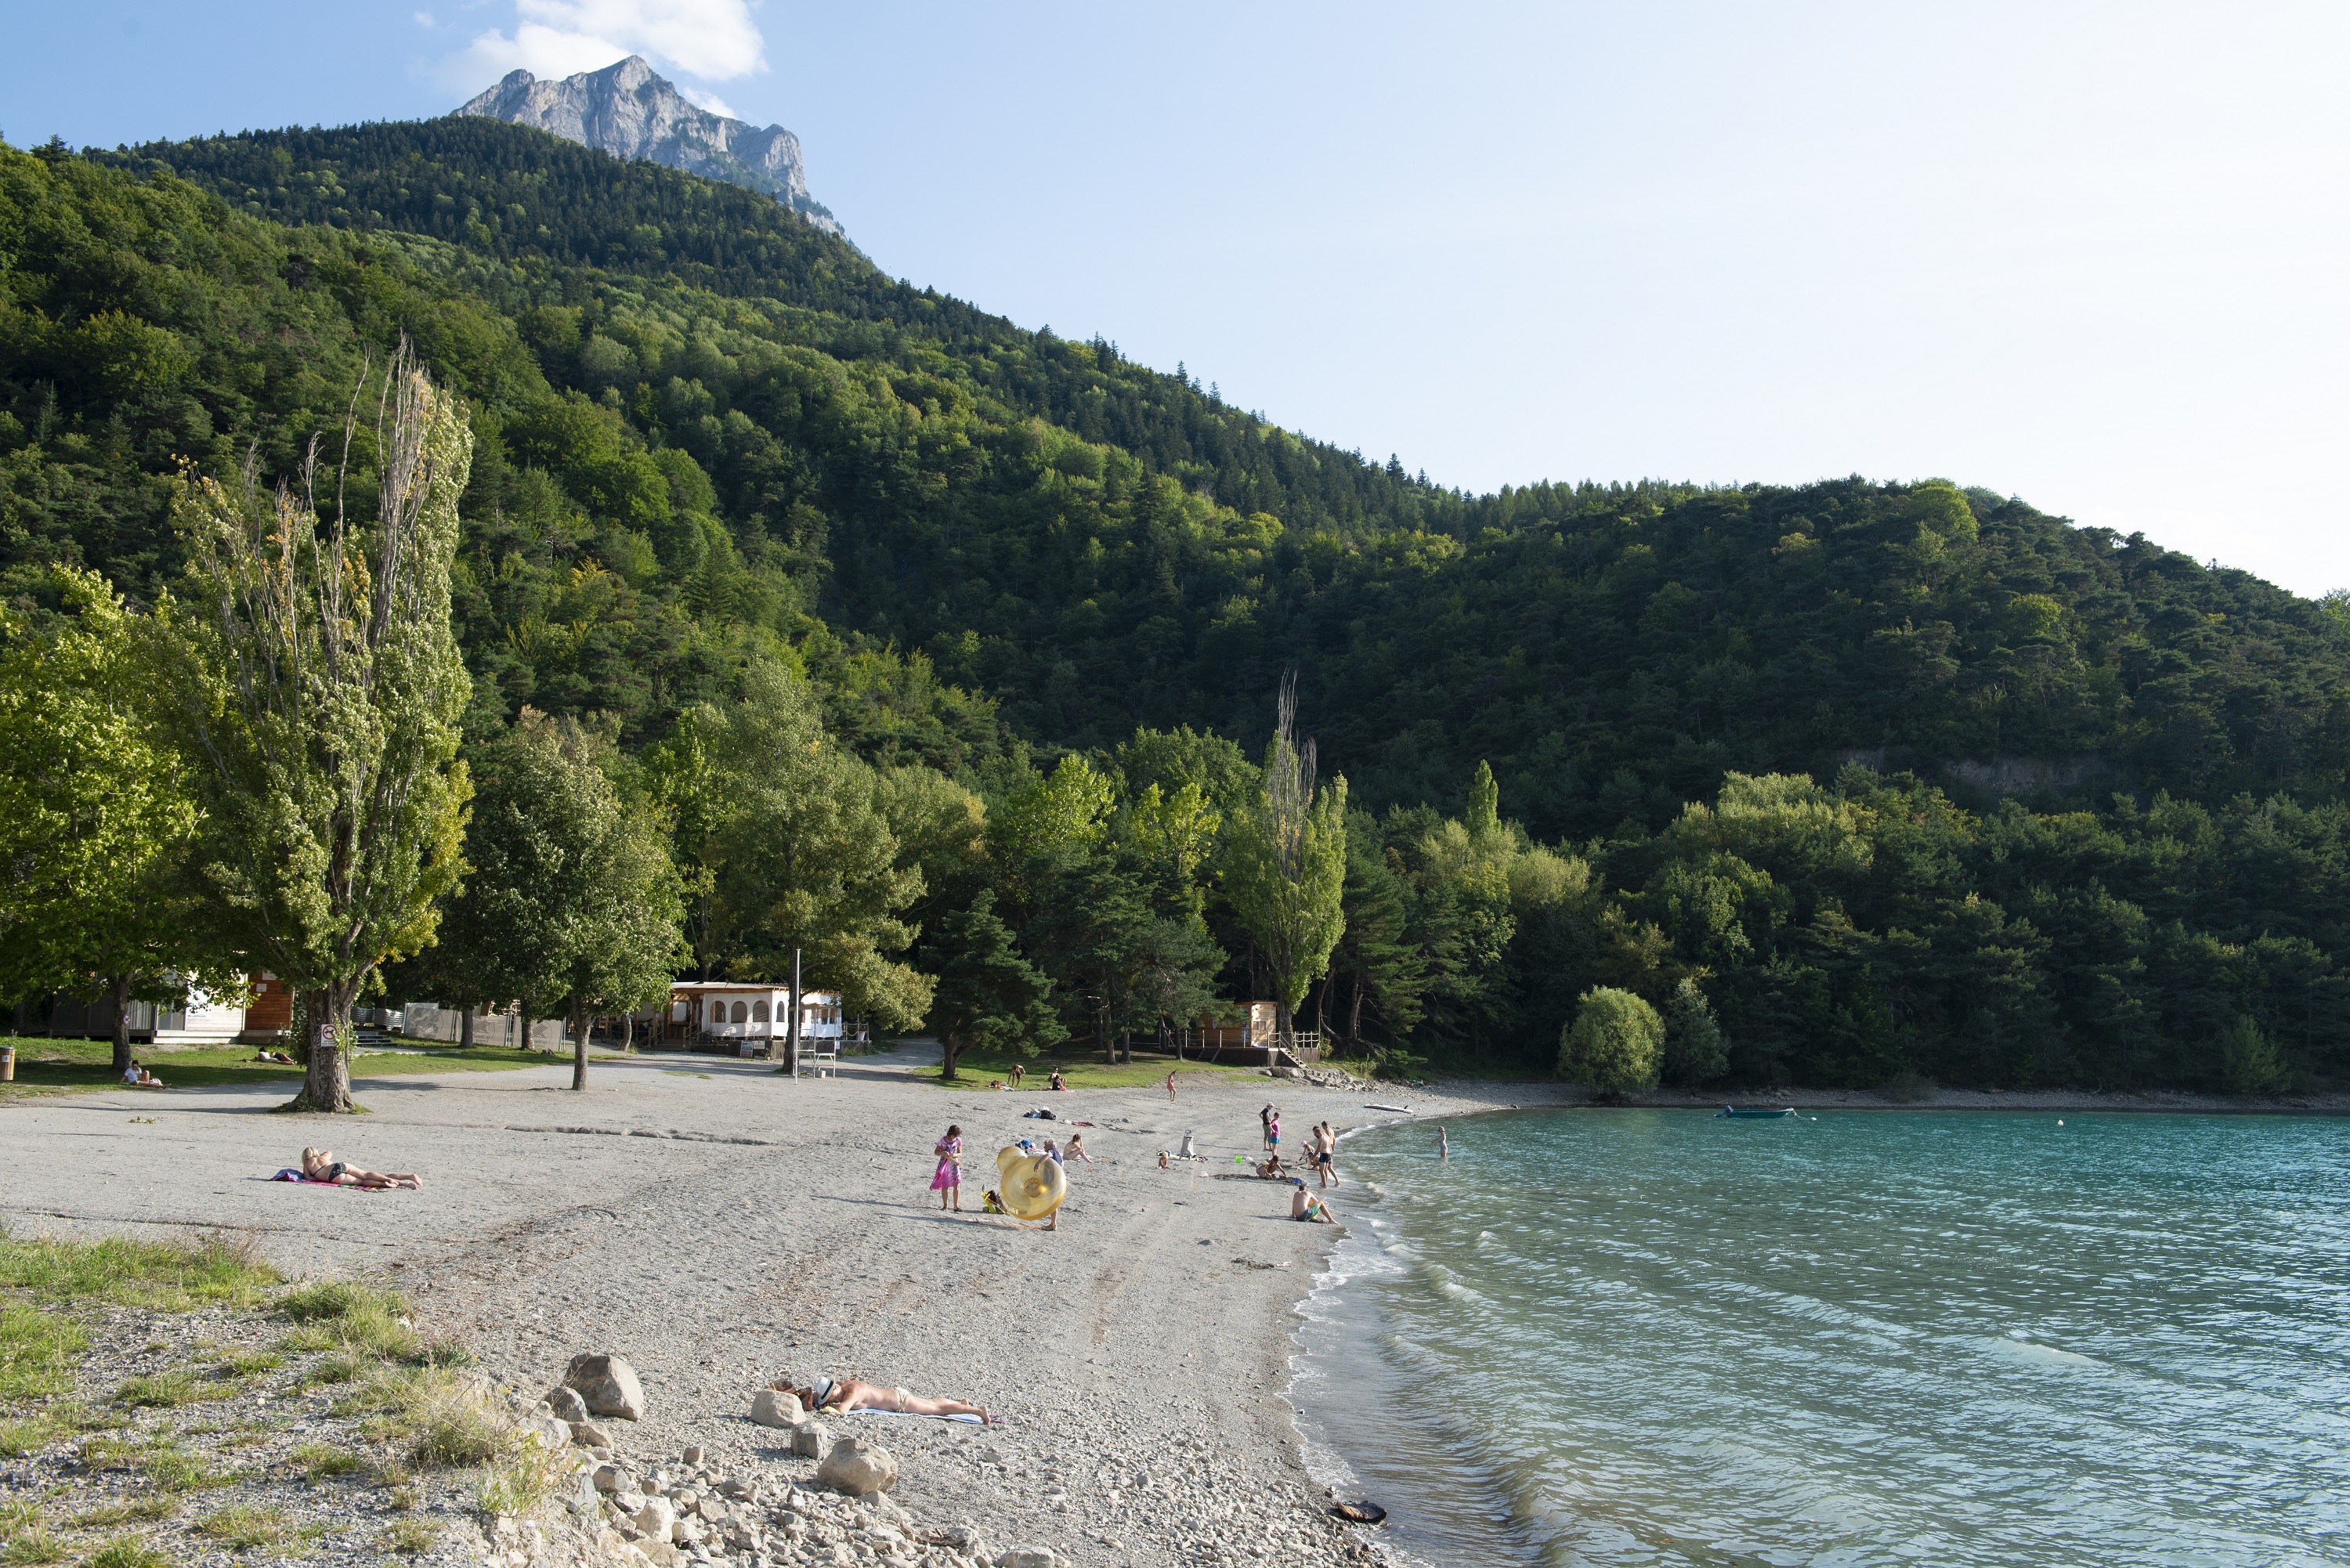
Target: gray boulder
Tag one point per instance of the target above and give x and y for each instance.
(808, 1439)
(564, 1401)
(1032, 1557)
(857, 1468)
(607, 1385)
(774, 1408)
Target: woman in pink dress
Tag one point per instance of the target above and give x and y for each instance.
(948, 1183)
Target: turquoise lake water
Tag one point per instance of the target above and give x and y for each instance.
(1654, 1337)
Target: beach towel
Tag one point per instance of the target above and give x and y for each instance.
(291, 1175)
(910, 1416)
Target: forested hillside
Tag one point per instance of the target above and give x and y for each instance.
(710, 439)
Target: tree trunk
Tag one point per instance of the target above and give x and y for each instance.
(1355, 1018)
(792, 1028)
(948, 1053)
(578, 1042)
(326, 1079)
(628, 1034)
(465, 1028)
(119, 987)
(1284, 1020)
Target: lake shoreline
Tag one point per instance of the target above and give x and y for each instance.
(1478, 1094)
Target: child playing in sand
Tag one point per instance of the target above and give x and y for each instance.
(947, 1181)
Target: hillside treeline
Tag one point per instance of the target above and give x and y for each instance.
(707, 441)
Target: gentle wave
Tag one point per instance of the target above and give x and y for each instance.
(1649, 1337)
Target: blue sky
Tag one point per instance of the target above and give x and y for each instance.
(2092, 255)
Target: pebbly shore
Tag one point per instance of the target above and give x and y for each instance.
(720, 1226)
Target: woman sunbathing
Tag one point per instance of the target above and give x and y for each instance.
(837, 1396)
(321, 1165)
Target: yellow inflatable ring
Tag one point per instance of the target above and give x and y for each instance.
(1032, 1186)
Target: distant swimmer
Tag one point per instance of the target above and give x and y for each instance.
(1443, 1145)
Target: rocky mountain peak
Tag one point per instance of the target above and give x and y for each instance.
(630, 110)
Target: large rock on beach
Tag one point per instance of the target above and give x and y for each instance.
(564, 1401)
(773, 1408)
(1032, 1557)
(808, 1439)
(607, 1386)
(857, 1468)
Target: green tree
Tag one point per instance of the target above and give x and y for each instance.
(571, 898)
(1613, 1044)
(808, 864)
(96, 821)
(321, 691)
(1289, 867)
(989, 998)
(1373, 959)
(2249, 1061)
(1694, 1050)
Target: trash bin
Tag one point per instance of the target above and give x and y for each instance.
(7, 1064)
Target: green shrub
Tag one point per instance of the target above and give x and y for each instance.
(1614, 1042)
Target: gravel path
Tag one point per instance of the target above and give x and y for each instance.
(719, 1226)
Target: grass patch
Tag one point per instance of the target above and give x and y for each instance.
(115, 1271)
(521, 1481)
(174, 1468)
(409, 1537)
(31, 1546)
(239, 1364)
(66, 1066)
(318, 1461)
(128, 1551)
(339, 1367)
(456, 1424)
(243, 1526)
(39, 1352)
(160, 1390)
(978, 1068)
(129, 1511)
(340, 1314)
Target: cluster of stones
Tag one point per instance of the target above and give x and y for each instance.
(693, 1512)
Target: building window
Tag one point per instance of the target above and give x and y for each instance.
(741, 1013)
(759, 1010)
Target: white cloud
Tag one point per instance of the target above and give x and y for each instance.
(715, 39)
(709, 101)
(424, 19)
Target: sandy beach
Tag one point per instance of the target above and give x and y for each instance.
(720, 1225)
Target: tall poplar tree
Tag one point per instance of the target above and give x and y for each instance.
(1288, 868)
(321, 690)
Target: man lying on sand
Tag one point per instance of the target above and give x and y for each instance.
(321, 1165)
(841, 1396)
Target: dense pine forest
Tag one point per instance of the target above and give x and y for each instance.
(1849, 783)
